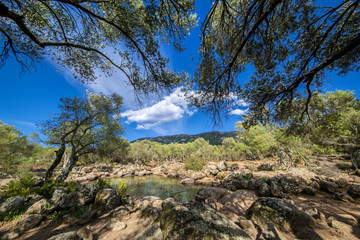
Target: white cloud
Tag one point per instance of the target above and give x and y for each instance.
(25, 123)
(238, 112)
(171, 108)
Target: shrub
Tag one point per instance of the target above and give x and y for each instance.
(194, 164)
(48, 188)
(101, 184)
(121, 190)
(22, 187)
(12, 214)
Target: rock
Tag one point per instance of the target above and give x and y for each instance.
(85, 234)
(354, 190)
(343, 227)
(264, 190)
(187, 181)
(66, 236)
(344, 166)
(234, 167)
(12, 204)
(222, 175)
(315, 184)
(69, 200)
(279, 212)
(37, 207)
(87, 217)
(142, 173)
(238, 179)
(69, 219)
(10, 235)
(120, 213)
(85, 195)
(239, 196)
(107, 199)
(210, 170)
(213, 192)
(205, 181)
(198, 175)
(249, 227)
(28, 222)
(348, 219)
(194, 220)
(151, 232)
(344, 197)
(276, 189)
(254, 184)
(308, 190)
(34, 198)
(342, 183)
(328, 186)
(281, 186)
(264, 167)
(222, 166)
(116, 225)
(315, 213)
(59, 194)
(51, 209)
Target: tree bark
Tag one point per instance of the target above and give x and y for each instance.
(355, 159)
(59, 153)
(65, 173)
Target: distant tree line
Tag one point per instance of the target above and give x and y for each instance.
(332, 126)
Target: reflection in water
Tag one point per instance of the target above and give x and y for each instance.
(158, 186)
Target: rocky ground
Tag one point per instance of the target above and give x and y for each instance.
(240, 200)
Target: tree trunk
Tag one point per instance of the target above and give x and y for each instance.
(355, 159)
(59, 154)
(65, 172)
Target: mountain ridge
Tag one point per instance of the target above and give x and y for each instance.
(214, 137)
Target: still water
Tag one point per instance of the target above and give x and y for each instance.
(161, 187)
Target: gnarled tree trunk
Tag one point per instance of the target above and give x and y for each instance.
(59, 153)
(67, 169)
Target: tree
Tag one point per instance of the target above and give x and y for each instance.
(83, 125)
(290, 45)
(333, 122)
(80, 34)
(14, 146)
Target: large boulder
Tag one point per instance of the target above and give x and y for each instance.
(210, 169)
(28, 222)
(282, 186)
(354, 190)
(12, 204)
(85, 195)
(69, 200)
(194, 220)
(211, 192)
(107, 199)
(278, 216)
(58, 194)
(37, 207)
(237, 180)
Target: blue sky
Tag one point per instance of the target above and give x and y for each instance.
(31, 97)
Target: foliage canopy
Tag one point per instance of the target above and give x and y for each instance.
(105, 34)
(84, 125)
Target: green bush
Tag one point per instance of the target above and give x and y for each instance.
(48, 188)
(101, 184)
(121, 190)
(23, 187)
(12, 214)
(194, 164)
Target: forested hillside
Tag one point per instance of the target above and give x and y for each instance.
(214, 138)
